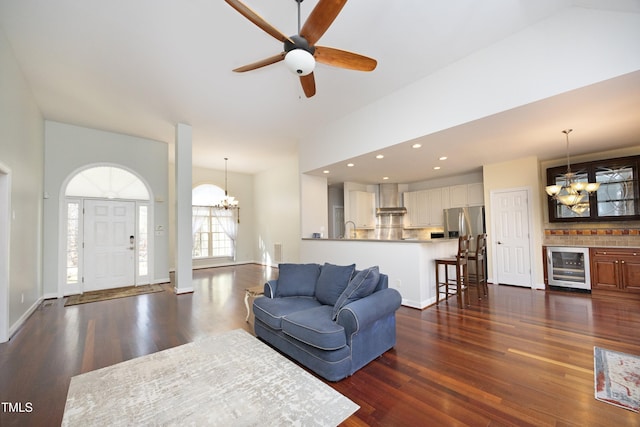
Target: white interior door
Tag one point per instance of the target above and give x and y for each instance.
(109, 252)
(512, 260)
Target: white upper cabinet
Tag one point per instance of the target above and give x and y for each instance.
(362, 209)
(424, 207)
(475, 194)
(458, 195)
(466, 195)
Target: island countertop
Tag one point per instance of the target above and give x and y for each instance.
(410, 264)
(383, 240)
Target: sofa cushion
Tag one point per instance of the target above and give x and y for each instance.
(272, 310)
(297, 280)
(332, 281)
(315, 328)
(360, 286)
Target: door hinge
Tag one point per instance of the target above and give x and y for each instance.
(83, 279)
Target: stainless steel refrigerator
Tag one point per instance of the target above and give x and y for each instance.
(461, 221)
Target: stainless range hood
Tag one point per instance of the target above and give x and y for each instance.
(390, 214)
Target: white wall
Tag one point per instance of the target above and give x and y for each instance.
(69, 148)
(470, 178)
(277, 212)
(572, 49)
(518, 173)
(575, 48)
(22, 151)
(314, 205)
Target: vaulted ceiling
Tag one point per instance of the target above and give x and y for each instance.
(139, 67)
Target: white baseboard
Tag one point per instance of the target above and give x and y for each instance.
(159, 281)
(180, 291)
(414, 304)
(228, 264)
(14, 328)
(51, 296)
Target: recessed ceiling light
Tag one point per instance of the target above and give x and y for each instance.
(416, 146)
(443, 158)
(325, 171)
(350, 165)
(379, 156)
(385, 177)
(436, 168)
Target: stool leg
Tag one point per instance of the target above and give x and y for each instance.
(437, 284)
(485, 286)
(446, 281)
(459, 286)
(465, 269)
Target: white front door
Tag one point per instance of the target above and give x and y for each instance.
(109, 246)
(512, 260)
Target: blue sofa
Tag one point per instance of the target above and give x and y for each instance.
(332, 319)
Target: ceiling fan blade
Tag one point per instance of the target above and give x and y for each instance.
(254, 17)
(262, 63)
(321, 17)
(344, 59)
(308, 85)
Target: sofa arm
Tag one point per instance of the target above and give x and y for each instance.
(359, 314)
(270, 288)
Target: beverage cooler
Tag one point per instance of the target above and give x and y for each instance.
(568, 267)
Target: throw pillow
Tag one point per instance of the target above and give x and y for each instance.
(332, 282)
(297, 280)
(360, 286)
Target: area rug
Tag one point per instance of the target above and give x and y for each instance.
(617, 378)
(231, 379)
(114, 293)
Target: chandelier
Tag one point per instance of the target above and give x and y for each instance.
(573, 194)
(228, 202)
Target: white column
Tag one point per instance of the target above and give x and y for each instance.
(183, 261)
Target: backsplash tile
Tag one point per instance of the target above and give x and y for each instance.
(592, 237)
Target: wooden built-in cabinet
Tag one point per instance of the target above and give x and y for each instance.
(615, 271)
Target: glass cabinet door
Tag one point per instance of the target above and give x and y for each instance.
(616, 192)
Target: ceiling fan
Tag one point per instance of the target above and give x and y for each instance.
(300, 51)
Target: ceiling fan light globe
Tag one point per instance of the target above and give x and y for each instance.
(300, 62)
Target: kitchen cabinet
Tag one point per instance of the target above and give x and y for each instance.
(475, 194)
(615, 271)
(424, 208)
(362, 208)
(466, 195)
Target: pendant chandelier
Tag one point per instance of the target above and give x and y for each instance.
(228, 202)
(573, 194)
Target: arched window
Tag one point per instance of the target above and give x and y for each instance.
(214, 228)
(107, 182)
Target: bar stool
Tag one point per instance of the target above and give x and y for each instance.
(478, 277)
(461, 279)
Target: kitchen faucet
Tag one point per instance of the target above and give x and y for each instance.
(354, 229)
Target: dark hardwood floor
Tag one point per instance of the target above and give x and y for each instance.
(518, 358)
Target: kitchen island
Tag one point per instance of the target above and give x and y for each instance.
(409, 264)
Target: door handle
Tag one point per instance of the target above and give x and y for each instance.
(499, 242)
